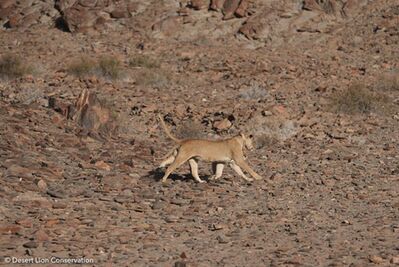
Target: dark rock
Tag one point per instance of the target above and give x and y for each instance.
(31, 244)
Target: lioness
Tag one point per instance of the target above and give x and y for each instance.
(219, 152)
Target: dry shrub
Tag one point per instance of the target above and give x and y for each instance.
(190, 130)
(254, 91)
(109, 67)
(358, 99)
(12, 66)
(143, 61)
(388, 82)
(106, 66)
(82, 67)
(153, 77)
(265, 140)
(271, 129)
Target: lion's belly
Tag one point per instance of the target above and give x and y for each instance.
(214, 158)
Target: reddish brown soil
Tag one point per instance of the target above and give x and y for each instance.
(330, 189)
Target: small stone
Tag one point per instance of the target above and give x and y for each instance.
(123, 199)
(215, 227)
(171, 219)
(52, 222)
(309, 136)
(120, 13)
(10, 229)
(267, 113)
(376, 259)
(56, 194)
(127, 193)
(395, 260)
(124, 239)
(280, 110)
(59, 205)
(180, 264)
(157, 205)
(102, 165)
(31, 244)
(222, 125)
(42, 185)
(328, 152)
(222, 239)
(27, 223)
(179, 202)
(41, 236)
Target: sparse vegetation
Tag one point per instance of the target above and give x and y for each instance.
(151, 74)
(12, 66)
(358, 99)
(156, 78)
(110, 67)
(265, 140)
(388, 82)
(82, 67)
(254, 91)
(144, 61)
(190, 129)
(106, 66)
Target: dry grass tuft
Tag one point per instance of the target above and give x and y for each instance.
(254, 91)
(12, 66)
(143, 61)
(82, 67)
(190, 130)
(265, 140)
(388, 82)
(106, 66)
(153, 77)
(109, 67)
(358, 99)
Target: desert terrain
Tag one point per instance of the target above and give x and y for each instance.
(316, 82)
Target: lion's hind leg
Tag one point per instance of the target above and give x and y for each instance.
(170, 157)
(179, 160)
(194, 170)
(217, 169)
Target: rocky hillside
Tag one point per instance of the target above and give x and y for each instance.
(316, 83)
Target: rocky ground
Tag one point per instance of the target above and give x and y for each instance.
(316, 83)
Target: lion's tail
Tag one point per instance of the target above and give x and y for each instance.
(167, 130)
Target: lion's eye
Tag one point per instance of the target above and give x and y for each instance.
(250, 136)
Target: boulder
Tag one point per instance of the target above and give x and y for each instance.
(23, 14)
(79, 18)
(62, 5)
(242, 9)
(217, 5)
(7, 3)
(168, 27)
(199, 4)
(229, 8)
